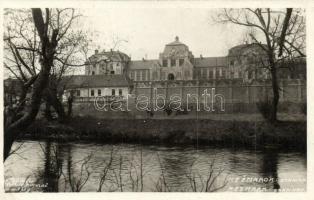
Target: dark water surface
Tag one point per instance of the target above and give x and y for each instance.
(59, 167)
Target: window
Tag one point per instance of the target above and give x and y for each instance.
(165, 63)
(118, 70)
(215, 73)
(204, 73)
(99, 92)
(138, 75)
(198, 73)
(187, 74)
(78, 93)
(170, 77)
(112, 72)
(231, 62)
(93, 72)
(179, 75)
(103, 66)
(211, 74)
(163, 76)
(173, 62)
(144, 75)
(132, 75)
(181, 61)
(113, 92)
(111, 66)
(120, 92)
(223, 73)
(148, 75)
(92, 93)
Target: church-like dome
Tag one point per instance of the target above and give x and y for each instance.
(176, 48)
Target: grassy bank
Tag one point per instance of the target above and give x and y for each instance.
(287, 135)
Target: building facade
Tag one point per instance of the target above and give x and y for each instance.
(177, 62)
(113, 73)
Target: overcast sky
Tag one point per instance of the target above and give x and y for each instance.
(148, 29)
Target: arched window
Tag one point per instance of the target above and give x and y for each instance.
(170, 77)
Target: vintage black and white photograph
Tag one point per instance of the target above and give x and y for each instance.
(154, 99)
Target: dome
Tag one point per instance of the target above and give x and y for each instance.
(176, 48)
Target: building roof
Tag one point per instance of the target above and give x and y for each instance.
(176, 48)
(109, 55)
(175, 43)
(82, 81)
(211, 62)
(142, 64)
(240, 49)
(198, 62)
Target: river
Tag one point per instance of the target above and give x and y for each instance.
(90, 167)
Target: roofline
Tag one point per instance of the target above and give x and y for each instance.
(91, 86)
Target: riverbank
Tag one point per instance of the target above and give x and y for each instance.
(256, 134)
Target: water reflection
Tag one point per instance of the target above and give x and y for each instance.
(176, 166)
(52, 170)
(269, 169)
(76, 167)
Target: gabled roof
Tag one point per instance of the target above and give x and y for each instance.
(211, 62)
(142, 64)
(83, 81)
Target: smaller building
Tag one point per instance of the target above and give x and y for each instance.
(12, 91)
(86, 87)
(107, 62)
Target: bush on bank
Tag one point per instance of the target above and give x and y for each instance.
(255, 134)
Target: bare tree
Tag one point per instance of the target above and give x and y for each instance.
(106, 170)
(78, 179)
(200, 183)
(36, 42)
(280, 33)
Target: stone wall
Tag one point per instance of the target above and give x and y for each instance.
(238, 96)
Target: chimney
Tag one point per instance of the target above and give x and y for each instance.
(177, 39)
(201, 56)
(96, 51)
(143, 59)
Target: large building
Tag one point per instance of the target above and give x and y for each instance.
(177, 62)
(113, 73)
